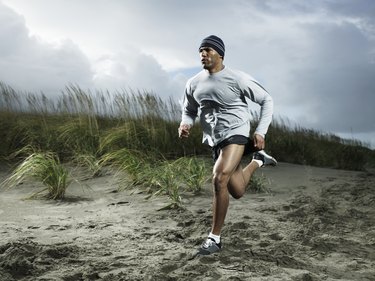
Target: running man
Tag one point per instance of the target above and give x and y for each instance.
(220, 95)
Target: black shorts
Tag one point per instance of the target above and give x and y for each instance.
(236, 139)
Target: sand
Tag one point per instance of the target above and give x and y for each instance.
(314, 224)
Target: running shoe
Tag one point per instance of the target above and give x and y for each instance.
(265, 158)
(209, 247)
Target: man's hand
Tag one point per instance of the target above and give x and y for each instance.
(259, 141)
(184, 131)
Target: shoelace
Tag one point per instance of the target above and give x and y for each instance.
(208, 243)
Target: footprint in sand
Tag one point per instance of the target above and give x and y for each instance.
(119, 203)
(33, 227)
(276, 237)
(58, 227)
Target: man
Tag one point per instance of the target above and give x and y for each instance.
(221, 94)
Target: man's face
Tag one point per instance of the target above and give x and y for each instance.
(209, 58)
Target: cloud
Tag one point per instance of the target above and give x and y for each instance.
(137, 71)
(332, 87)
(30, 64)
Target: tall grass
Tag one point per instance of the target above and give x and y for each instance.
(46, 168)
(81, 122)
(193, 171)
(298, 145)
(134, 163)
(157, 175)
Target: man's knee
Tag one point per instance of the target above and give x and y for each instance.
(220, 181)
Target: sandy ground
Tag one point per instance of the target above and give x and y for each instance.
(315, 224)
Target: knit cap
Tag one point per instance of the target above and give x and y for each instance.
(215, 43)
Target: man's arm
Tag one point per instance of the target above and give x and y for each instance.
(265, 101)
(189, 113)
(256, 93)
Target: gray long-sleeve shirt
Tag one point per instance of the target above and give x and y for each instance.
(221, 98)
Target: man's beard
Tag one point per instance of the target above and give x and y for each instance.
(206, 65)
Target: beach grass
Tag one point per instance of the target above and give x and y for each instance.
(44, 167)
(194, 172)
(136, 132)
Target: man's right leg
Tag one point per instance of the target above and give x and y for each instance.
(228, 161)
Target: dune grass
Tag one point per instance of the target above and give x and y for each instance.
(157, 175)
(137, 132)
(45, 168)
(308, 147)
(193, 171)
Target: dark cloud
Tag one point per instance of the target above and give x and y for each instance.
(358, 8)
(30, 64)
(13, 33)
(335, 85)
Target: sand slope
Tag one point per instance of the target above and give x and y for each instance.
(316, 224)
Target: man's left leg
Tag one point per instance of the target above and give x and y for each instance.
(240, 179)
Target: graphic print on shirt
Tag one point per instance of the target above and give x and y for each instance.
(222, 99)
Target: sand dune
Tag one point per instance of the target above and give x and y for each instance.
(315, 224)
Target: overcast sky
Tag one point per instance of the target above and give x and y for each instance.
(316, 58)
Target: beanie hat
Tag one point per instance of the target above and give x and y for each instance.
(215, 43)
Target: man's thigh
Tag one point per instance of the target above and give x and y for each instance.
(229, 159)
